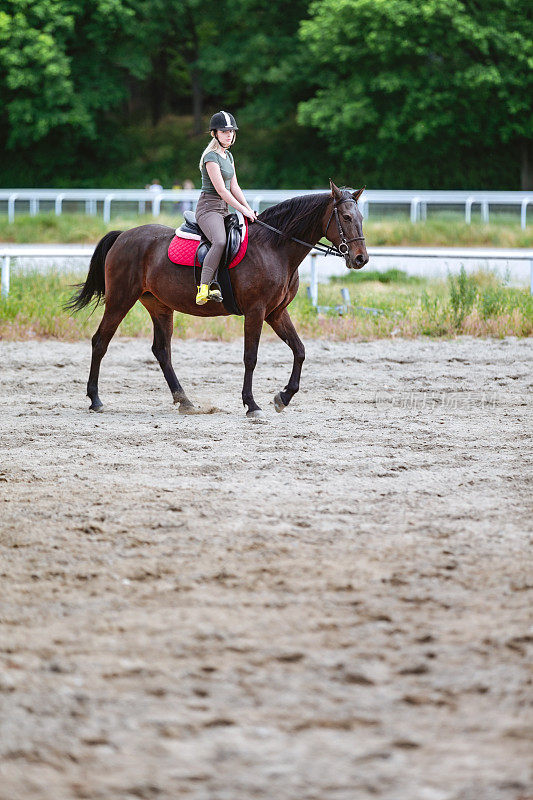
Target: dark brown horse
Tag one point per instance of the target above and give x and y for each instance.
(133, 265)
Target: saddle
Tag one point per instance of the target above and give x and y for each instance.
(233, 237)
(190, 246)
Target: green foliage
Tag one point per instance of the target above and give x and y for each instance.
(35, 308)
(419, 86)
(434, 317)
(492, 303)
(384, 92)
(429, 304)
(393, 275)
(431, 308)
(64, 62)
(463, 291)
(446, 227)
(70, 227)
(73, 228)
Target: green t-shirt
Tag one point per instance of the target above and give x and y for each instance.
(226, 168)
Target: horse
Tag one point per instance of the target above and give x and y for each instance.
(132, 265)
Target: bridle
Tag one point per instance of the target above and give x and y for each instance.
(344, 241)
(342, 250)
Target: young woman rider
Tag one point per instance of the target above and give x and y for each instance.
(219, 187)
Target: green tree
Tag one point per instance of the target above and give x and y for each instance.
(64, 63)
(257, 62)
(403, 85)
(175, 35)
(259, 69)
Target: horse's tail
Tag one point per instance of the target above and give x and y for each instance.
(95, 283)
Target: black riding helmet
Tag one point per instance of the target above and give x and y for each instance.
(223, 121)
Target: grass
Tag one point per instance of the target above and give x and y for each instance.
(72, 228)
(447, 228)
(440, 229)
(480, 304)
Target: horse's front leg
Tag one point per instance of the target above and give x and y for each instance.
(253, 324)
(281, 323)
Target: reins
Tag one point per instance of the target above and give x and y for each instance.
(331, 249)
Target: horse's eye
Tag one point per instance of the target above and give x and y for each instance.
(346, 216)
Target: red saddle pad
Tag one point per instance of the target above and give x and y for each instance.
(182, 251)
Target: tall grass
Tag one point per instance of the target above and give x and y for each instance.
(439, 229)
(73, 228)
(480, 304)
(447, 228)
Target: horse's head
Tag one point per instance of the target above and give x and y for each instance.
(344, 227)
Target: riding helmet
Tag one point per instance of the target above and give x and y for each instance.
(223, 121)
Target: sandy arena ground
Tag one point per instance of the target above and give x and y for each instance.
(333, 605)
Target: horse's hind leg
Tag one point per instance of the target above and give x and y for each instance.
(113, 316)
(162, 317)
(282, 324)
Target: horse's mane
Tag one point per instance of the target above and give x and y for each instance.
(290, 216)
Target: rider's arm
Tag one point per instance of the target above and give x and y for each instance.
(213, 170)
(238, 193)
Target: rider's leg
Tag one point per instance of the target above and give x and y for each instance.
(212, 224)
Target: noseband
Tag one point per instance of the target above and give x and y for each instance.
(343, 246)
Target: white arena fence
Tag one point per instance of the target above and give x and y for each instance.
(96, 201)
(416, 260)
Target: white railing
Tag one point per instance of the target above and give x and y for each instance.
(9, 252)
(416, 201)
(452, 255)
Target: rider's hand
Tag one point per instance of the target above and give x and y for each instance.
(251, 215)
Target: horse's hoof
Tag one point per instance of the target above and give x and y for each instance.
(187, 409)
(99, 407)
(256, 416)
(279, 405)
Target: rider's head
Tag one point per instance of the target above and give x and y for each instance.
(221, 124)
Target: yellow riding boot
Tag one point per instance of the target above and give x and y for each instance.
(203, 294)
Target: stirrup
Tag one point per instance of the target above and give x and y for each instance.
(216, 292)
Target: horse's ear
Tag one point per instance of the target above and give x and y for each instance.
(357, 195)
(335, 191)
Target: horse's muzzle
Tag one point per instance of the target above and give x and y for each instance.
(358, 261)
